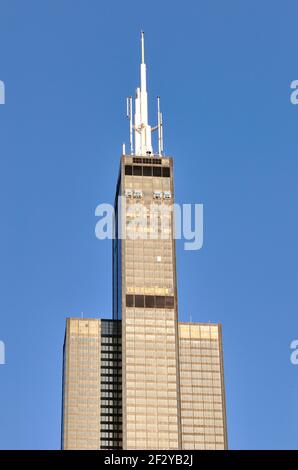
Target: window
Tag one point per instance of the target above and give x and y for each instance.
(149, 301)
(156, 171)
(169, 302)
(166, 171)
(139, 301)
(137, 171)
(129, 301)
(160, 301)
(128, 169)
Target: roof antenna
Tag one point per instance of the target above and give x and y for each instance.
(142, 47)
(159, 128)
(140, 131)
(129, 116)
(142, 136)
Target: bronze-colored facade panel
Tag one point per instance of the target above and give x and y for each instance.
(81, 384)
(151, 410)
(203, 411)
(92, 405)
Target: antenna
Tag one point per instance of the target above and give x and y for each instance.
(159, 128)
(129, 116)
(140, 131)
(142, 135)
(161, 134)
(142, 47)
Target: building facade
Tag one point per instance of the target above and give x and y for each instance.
(92, 405)
(202, 391)
(143, 380)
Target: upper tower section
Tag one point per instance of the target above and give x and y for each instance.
(140, 130)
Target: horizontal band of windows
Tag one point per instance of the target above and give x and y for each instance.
(116, 430)
(107, 378)
(111, 438)
(106, 443)
(117, 422)
(113, 353)
(108, 381)
(109, 367)
(149, 161)
(114, 386)
(111, 348)
(111, 446)
(111, 341)
(115, 427)
(109, 360)
(134, 170)
(113, 409)
(111, 405)
(110, 443)
(114, 400)
(110, 419)
(115, 390)
(149, 301)
(110, 338)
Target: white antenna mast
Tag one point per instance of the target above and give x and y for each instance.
(159, 128)
(142, 129)
(142, 47)
(139, 129)
(129, 116)
(161, 133)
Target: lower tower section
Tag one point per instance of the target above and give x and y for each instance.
(92, 385)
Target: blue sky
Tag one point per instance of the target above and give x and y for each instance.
(223, 70)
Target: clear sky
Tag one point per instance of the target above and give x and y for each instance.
(223, 69)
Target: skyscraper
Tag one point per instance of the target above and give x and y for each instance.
(143, 380)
